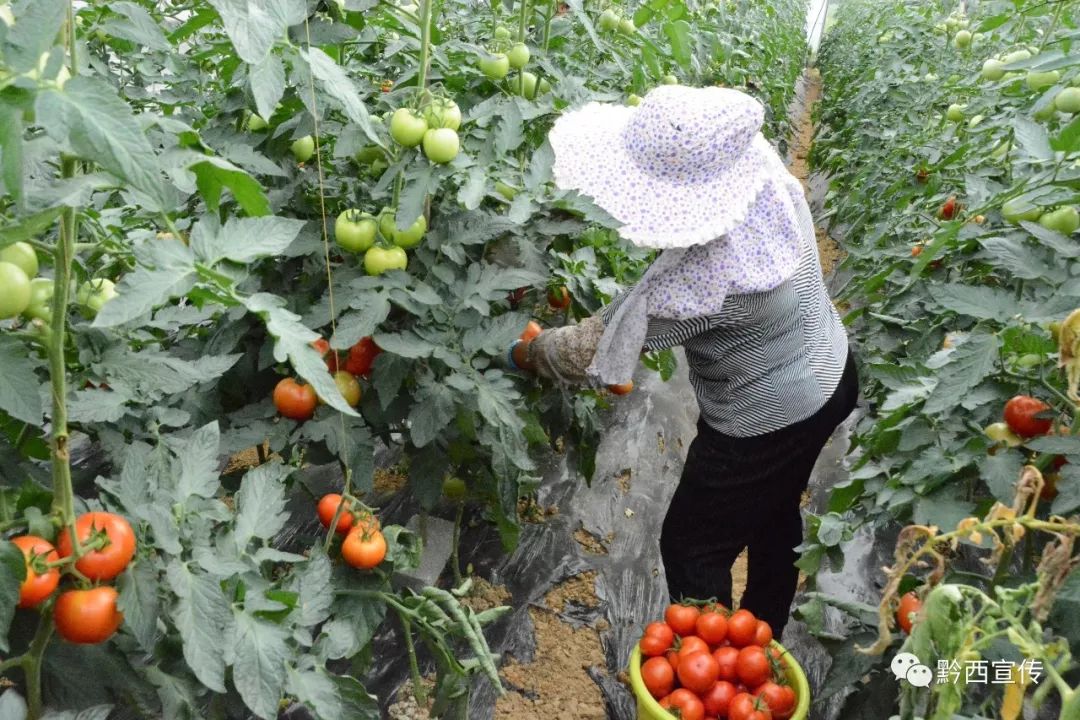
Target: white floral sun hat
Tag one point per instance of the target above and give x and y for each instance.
(681, 169)
(689, 172)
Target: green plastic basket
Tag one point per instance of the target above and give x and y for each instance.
(649, 709)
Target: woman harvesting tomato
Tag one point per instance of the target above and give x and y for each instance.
(739, 285)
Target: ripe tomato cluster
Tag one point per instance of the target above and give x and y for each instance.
(82, 615)
(364, 545)
(1026, 417)
(298, 400)
(709, 663)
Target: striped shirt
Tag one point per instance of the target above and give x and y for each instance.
(766, 360)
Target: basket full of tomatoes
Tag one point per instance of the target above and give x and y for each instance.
(704, 662)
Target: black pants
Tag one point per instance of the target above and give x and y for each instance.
(745, 492)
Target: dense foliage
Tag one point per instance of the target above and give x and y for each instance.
(189, 180)
(953, 147)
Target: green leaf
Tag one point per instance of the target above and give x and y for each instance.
(260, 655)
(371, 309)
(11, 153)
(1068, 140)
(1022, 260)
(1056, 444)
(293, 343)
(510, 132)
(260, 504)
(205, 621)
(427, 467)
(19, 385)
(418, 186)
(172, 274)
(471, 193)
(101, 129)
(29, 227)
(967, 366)
(317, 691)
(139, 589)
(352, 624)
(251, 26)
(357, 703)
(407, 344)
(12, 573)
(267, 80)
(312, 584)
(140, 27)
(1032, 137)
(432, 410)
(97, 406)
(1000, 473)
(214, 173)
(336, 83)
(150, 374)
(680, 35)
(1068, 489)
(979, 302)
(1061, 245)
(244, 240)
(38, 25)
(198, 458)
(941, 510)
(390, 372)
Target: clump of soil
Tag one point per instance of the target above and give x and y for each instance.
(484, 596)
(531, 511)
(406, 707)
(389, 481)
(247, 459)
(589, 542)
(556, 683)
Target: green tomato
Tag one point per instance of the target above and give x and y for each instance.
(627, 27)
(962, 39)
(495, 67)
(955, 113)
(1065, 220)
(369, 154)
(544, 87)
(387, 225)
(530, 85)
(303, 148)
(441, 145)
(407, 128)
(999, 432)
(1015, 212)
(1068, 100)
(1045, 113)
(518, 56)
(670, 80)
(412, 235)
(609, 20)
(633, 100)
(1001, 150)
(355, 230)
(14, 290)
(975, 121)
(41, 295)
(507, 191)
(502, 33)
(23, 255)
(1016, 56)
(443, 114)
(993, 70)
(378, 260)
(454, 488)
(256, 122)
(377, 168)
(1042, 80)
(93, 294)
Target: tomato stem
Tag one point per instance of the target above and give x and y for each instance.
(32, 666)
(425, 46)
(454, 559)
(414, 668)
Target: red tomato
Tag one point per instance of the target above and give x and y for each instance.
(87, 617)
(948, 209)
(328, 506)
(753, 666)
(113, 556)
(687, 704)
(910, 604)
(36, 587)
(718, 699)
(294, 400)
(658, 677)
(673, 659)
(665, 702)
(559, 298)
(362, 357)
(698, 671)
(662, 630)
(531, 330)
(727, 658)
(621, 389)
(745, 706)
(330, 356)
(682, 618)
(691, 644)
(779, 698)
(363, 548)
(520, 354)
(712, 627)
(1020, 415)
(742, 627)
(763, 634)
(653, 645)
